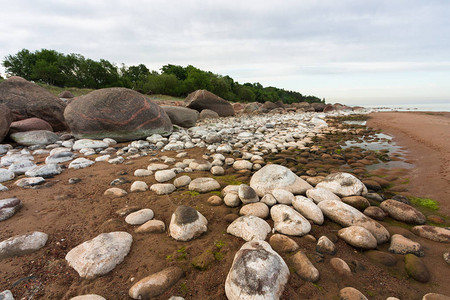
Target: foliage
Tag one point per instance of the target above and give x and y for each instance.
(74, 70)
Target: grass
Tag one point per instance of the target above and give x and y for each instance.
(159, 97)
(218, 193)
(57, 90)
(228, 179)
(191, 193)
(182, 252)
(424, 202)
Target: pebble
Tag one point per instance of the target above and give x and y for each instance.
(152, 226)
(6, 295)
(340, 266)
(8, 207)
(304, 268)
(307, 208)
(162, 188)
(103, 158)
(375, 213)
(269, 200)
(349, 293)
(88, 297)
(187, 224)
(283, 244)
(140, 217)
(242, 165)
(21, 166)
(115, 192)
(45, 171)
(446, 257)
(402, 245)
(164, 175)
(142, 173)
(288, 221)
(358, 237)
(325, 246)
(155, 167)
(22, 244)
(80, 163)
(88, 143)
(3, 188)
(29, 182)
(182, 181)
(156, 284)
(232, 199)
(200, 165)
(321, 194)
(258, 209)
(6, 175)
(249, 228)
(217, 171)
(434, 296)
(215, 200)
(247, 194)
(416, 268)
(283, 196)
(402, 212)
(204, 185)
(358, 202)
(60, 157)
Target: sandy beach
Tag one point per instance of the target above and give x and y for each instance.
(426, 137)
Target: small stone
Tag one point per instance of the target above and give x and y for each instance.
(349, 293)
(434, 296)
(307, 208)
(402, 245)
(343, 185)
(215, 200)
(155, 167)
(21, 166)
(249, 228)
(230, 217)
(446, 257)
(115, 192)
(74, 180)
(29, 182)
(182, 181)
(44, 171)
(22, 244)
(156, 284)
(321, 194)
(217, 171)
(358, 237)
(162, 188)
(283, 244)
(304, 268)
(164, 175)
(127, 210)
(416, 268)
(325, 246)
(88, 297)
(152, 226)
(139, 186)
(88, 143)
(8, 207)
(6, 295)
(6, 175)
(187, 223)
(80, 163)
(200, 165)
(358, 202)
(103, 158)
(283, 196)
(269, 200)
(381, 257)
(142, 173)
(438, 234)
(140, 217)
(257, 209)
(247, 194)
(242, 165)
(232, 200)
(204, 185)
(288, 221)
(340, 266)
(402, 212)
(375, 213)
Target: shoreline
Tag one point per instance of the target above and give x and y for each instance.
(426, 137)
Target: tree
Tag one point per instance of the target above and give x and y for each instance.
(20, 64)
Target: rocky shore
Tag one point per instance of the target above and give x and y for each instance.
(280, 204)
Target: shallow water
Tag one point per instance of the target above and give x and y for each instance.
(363, 123)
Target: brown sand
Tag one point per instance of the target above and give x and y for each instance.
(426, 136)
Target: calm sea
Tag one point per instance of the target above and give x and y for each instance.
(412, 107)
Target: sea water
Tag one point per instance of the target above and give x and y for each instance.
(410, 107)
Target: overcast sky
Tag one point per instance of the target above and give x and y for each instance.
(348, 51)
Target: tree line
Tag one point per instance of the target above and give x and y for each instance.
(74, 70)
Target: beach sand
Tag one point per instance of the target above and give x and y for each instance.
(426, 137)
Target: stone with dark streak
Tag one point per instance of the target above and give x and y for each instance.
(8, 207)
(118, 113)
(402, 212)
(187, 224)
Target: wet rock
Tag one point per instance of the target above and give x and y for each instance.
(249, 228)
(258, 209)
(346, 215)
(162, 188)
(349, 293)
(152, 226)
(140, 217)
(357, 202)
(8, 207)
(156, 284)
(340, 266)
(100, 255)
(433, 233)
(22, 244)
(80, 163)
(288, 221)
(375, 213)
(402, 245)
(308, 209)
(326, 246)
(204, 185)
(343, 185)
(115, 192)
(402, 212)
(416, 268)
(358, 237)
(258, 272)
(187, 223)
(182, 181)
(247, 194)
(320, 194)
(381, 257)
(283, 244)
(304, 268)
(273, 176)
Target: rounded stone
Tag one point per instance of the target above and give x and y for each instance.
(156, 284)
(249, 228)
(182, 181)
(257, 209)
(139, 186)
(140, 217)
(164, 175)
(304, 268)
(204, 185)
(282, 243)
(340, 266)
(215, 200)
(358, 237)
(152, 226)
(349, 293)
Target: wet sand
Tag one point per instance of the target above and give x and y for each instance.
(426, 136)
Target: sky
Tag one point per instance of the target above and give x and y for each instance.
(348, 51)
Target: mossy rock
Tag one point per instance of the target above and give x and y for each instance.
(416, 268)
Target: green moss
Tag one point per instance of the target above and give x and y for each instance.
(191, 193)
(424, 202)
(228, 180)
(182, 253)
(218, 193)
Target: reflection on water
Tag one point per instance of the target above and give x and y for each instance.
(393, 164)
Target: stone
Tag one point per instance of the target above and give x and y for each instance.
(288, 221)
(273, 176)
(118, 113)
(224, 148)
(230, 189)
(307, 208)
(6, 175)
(208, 114)
(320, 194)
(115, 192)
(181, 116)
(6, 119)
(349, 293)
(127, 210)
(66, 95)
(283, 244)
(88, 297)
(402, 245)
(89, 143)
(200, 165)
(140, 217)
(3, 188)
(162, 188)
(257, 273)
(164, 175)
(375, 213)
(45, 171)
(257, 209)
(304, 268)
(247, 194)
(358, 202)
(249, 228)
(346, 215)
(434, 296)
(215, 200)
(381, 257)
(22, 244)
(117, 160)
(325, 246)
(217, 171)
(156, 284)
(30, 124)
(152, 226)
(139, 186)
(8, 207)
(60, 157)
(81, 163)
(403, 212)
(232, 200)
(203, 99)
(28, 100)
(242, 165)
(6, 295)
(269, 200)
(343, 185)
(182, 181)
(35, 137)
(21, 166)
(100, 255)
(142, 173)
(283, 196)
(29, 182)
(358, 237)
(434, 233)
(204, 185)
(187, 224)
(416, 268)
(340, 266)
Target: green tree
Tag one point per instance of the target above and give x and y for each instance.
(20, 64)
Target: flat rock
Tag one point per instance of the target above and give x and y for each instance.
(273, 176)
(402, 245)
(187, 224)
(403, 212)
(304, 268)
(164, 175)
(100, 255)
(434, 233)
(320, 194)
(307, 208)
(288, 221)
(80, 163)
(416, 268)
(152, 226)
(204, 185)
(249, 228)
(162, 188)
(35, 137)
(346, 215)
(156, 284)
(259, 209)
(349, 293)
(22, 244)
(45, 171)
(140, 217)
(343, 185)
(257, 273)
(358, 237)
(8, 207)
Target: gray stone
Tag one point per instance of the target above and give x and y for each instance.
(307, 208)
(232, 199)
(164, 175)
(434, 296)
(258, 209)
(325, 246)
(8, 207)
(247, 194)
(80, 163)
(182, 181)
(269, 200)
(21, 166)
(100, 255)
(187, 223)
(343, 185)
(288, 221)
(434, 233)
(60, 157)
(45, 171)
(162, 188)
(358, 237)
(283, 196)
(403, 212)
(200, 165)
(88, 143)
(249, 228)
(29, 182)
(6, 175)
(140, 217)
(22, 244)
(139, 186)
(402, 245)
(446, 257)
(257, 273)
(35, 137)
(156, 284)
(321, 194)
(204, 185)
(349, 293)
(6, 295)
(3, 188)
(304, 268)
